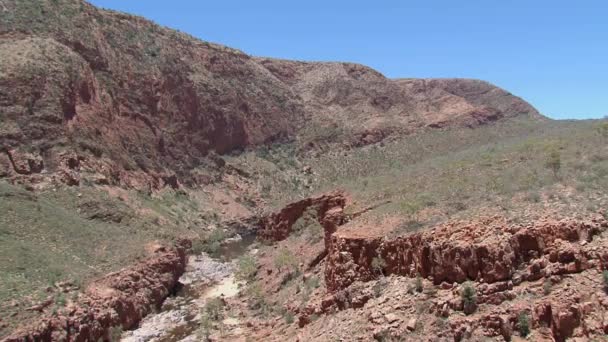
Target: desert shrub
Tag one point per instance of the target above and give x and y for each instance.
(285, 259)
(533, 197)
(378, 265)
(115, 333)
(379, 287)
(523, 324)
(469, 298)
(311, 283)
(246, 268)
(315, 232)
(60, 300)
(547, 287)
(605, 277)
(288, 317)
(212, 244)
(308, 225)
(554, 162)
(257, 299)
(205, 327)
(213, 308)
(411, 209)
(418, 283)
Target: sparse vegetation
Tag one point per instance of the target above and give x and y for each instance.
(115, 333)
(205, 328)
(418, 283)
(246, 268)
(288, 317)
(308, 225)
(547, 285)
(378, 265)
(469, 298)
(554, 162)
(523, 324)
(605, 278)
(212, 244)
(286, 260)
(213, 308)
(257, 299)
(379, 287)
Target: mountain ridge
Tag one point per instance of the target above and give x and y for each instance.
(150, 98)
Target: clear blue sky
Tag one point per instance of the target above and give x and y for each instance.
(553, 53)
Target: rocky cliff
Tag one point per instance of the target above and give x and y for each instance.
(486, 251)
(117, 301)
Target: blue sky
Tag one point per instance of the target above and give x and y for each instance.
(552, 53)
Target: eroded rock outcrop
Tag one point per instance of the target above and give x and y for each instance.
(120, 299)
(488, 250)
(328, 209)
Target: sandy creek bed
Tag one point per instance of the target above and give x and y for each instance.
(205, 278)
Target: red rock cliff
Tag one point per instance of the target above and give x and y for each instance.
(120, 299)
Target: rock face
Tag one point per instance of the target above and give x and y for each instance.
(120, 299)
(489, 251)
(548, 271)
(144, 98)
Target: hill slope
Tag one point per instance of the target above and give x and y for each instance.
(78, 78)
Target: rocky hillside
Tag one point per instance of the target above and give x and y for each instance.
(141, 97)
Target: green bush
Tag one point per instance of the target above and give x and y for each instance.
(285, 259)
(289, 317)
(213, 308)
(257, 299)
(246, 268)
(213, 242)
(523, 324)
(469, 298)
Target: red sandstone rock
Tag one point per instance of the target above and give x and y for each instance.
(24, 163)
(118, 299)
(328, 209)
(489, 250)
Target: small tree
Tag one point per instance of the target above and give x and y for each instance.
(523, 323)
(554, 162)
(285, 259)
(469, 298)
